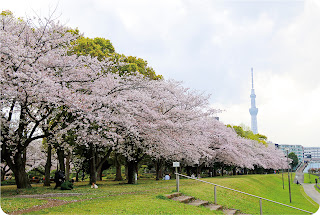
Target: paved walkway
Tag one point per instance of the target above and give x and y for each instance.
(311, 191)
(299, 177)
(308, 188)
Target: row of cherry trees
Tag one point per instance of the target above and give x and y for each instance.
(73, 102)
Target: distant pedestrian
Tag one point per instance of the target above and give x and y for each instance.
(316, 180)
(94, 186)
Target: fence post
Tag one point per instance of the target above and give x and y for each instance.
(215, 194)
(177, 180)
(260, 206)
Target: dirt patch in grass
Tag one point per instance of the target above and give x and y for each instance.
(56, 202)
(47, 195)
(50, 202)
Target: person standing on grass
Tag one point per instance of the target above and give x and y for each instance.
(59, 178)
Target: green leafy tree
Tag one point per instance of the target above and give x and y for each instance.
(102, 48)
(294, 158)
(244, 132)
(133, 65)
(6, 13)
(97, 47)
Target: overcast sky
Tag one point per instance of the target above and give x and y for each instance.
(211, 46)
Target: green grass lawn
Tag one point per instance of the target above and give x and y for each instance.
(146, 197)
(266, 186)
(13, 204)
(310, 179)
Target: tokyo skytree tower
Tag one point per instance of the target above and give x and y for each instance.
(253, 110)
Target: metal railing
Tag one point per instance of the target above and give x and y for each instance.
(301, 165)
(217, 185)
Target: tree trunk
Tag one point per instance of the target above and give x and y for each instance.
(60, 154)
(47, 167)
(234, 171)
(93, 167)
(126, 171)
(118, 168)
(99, 173)
(188, 168)
(132, 167)
(222, 168)
(158, 164)
(3, 173)
(21, 178)
(68, 158)
(198, 171)
(102, 164)
(99, 168)
(77, 175)
(245, 170)
(118, 173)
(211, 170)
(19, 171)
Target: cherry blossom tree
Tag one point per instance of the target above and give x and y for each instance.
(34, 65)
(164, 114)
(75, 100)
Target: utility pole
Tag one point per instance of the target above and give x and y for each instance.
(282, 179)
(288, 174)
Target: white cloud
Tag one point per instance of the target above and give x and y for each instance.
(298, 47)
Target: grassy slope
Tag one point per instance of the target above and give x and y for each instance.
(310, 179)
(267, 186)
(114, 198)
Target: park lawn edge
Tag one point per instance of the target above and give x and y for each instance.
(21, 204)
(152, 189)
(311, 180)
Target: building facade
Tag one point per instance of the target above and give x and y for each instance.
(312, 153)
(297, 149)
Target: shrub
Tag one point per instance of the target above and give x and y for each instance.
(8, 182)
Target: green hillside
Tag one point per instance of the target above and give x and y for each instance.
(145, 198)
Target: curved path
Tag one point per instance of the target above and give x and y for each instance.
(308, 188)
(311, 192)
